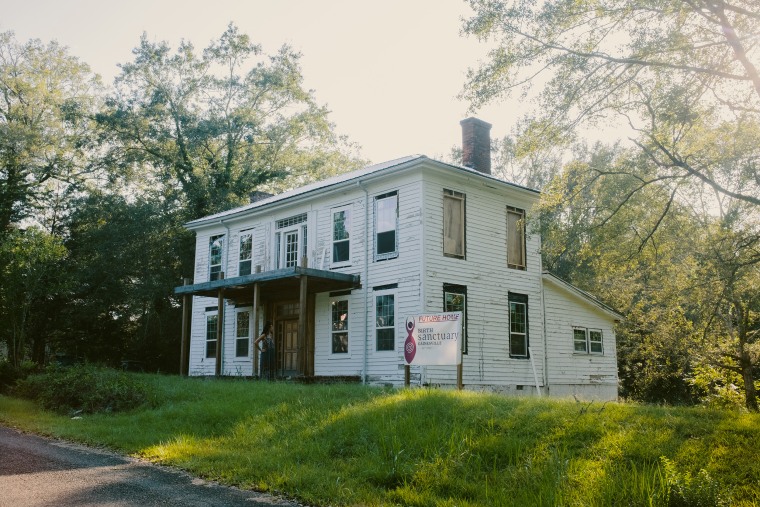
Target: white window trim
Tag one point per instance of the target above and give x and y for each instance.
(248, 232)
(248, 357)
(587, 332)
(338, 355)
(375, 295)
(221, 260)
(210, 313)
(347, 209)
(394, 253)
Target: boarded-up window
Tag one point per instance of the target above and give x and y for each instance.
(515, 238)
(453, 224)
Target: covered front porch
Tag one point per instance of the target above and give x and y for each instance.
(285, 297)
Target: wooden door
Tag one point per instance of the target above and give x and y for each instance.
(289, 337)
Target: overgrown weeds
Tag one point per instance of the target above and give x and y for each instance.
(84, 388)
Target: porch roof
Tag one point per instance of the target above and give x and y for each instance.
(276, 283)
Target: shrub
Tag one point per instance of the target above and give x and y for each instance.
(85, 388)
(10, 374)
(685, 490)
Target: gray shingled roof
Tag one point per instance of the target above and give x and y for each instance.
(382, 167)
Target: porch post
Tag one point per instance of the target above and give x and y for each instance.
(187, 301)
(255, 329)
(302, 326)
(219, 328)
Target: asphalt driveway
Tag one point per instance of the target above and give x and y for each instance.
(37, 471)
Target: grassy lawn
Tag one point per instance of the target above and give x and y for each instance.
(355, 445)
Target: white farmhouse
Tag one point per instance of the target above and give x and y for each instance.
(337, 265)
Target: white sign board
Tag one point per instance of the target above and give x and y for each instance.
(433, 339)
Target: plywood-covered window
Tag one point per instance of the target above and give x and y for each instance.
(453, 224)
(515, 238)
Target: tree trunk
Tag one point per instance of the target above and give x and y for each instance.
(750, 396)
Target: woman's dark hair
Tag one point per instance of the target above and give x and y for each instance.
(267, 327)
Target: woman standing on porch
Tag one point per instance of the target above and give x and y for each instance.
(267, 352)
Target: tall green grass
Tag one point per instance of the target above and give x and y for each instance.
(356, 445)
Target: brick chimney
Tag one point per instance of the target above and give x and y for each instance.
(476, 144)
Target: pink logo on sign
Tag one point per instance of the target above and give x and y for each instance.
(410, 345)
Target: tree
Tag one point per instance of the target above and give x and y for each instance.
(47, 99)
(31, 267)
(209, 131)
(675, 71)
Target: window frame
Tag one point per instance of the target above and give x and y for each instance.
(459, 290)
(215, 274)
(344, 330)
(245, 234)
(347, 228)
(391, 254)
(210, 353)
(247, 338)
(392, 327)
(294, 224)
(588, 342)
(518, 299)
(522, 263)
(462, 198)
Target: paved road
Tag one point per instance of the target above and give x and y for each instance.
(36, 471)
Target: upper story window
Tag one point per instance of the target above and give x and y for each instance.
(339, 325)
(515, 238)
(245, 253)
(587, 341)
(455, 300)
(290, 241)
(518, 325)
(341, 231)
(453, 224)
(216, 249)
(386, 226)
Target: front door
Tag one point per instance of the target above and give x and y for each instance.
(289, 340)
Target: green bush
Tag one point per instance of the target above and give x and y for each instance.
(685, 490)
(10, 375)
(84, 388)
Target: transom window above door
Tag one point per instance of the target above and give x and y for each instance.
(290, 241)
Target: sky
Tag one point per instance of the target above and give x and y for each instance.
(388, 70)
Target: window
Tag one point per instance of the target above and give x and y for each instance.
(453, 224)
(216, 248)
(290, 241)
(339, 326)
(385, 325)
(455, 300)
(211, 326)
(341, 248)
(246, 253)
(386, 226)
(242, 333)
(515, 238)
(518, 326)
(587, 341)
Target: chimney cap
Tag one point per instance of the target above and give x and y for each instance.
(474, 120)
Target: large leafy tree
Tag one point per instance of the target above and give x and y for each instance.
(47, 100)
(210, 127)
(680, 74)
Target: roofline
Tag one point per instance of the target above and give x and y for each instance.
(329, 184)
(551, 277)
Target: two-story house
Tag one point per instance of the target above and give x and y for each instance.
(337, 265)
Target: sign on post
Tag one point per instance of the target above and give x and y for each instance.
(433, 339)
